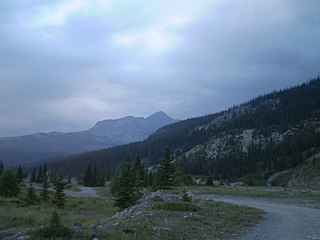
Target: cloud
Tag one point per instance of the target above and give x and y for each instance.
(66, 64)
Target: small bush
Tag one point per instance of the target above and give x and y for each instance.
(54, 230)
(185, 197)
(157, 198)
(8, 184)
(177, 206)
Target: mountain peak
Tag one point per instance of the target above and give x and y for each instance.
(104, 134)
(159, 115)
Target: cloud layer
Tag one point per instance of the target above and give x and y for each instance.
(66, 64)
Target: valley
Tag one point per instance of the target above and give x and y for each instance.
(249, 172)
(219, 214)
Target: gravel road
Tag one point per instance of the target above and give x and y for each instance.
(84, 192)
(283, 220)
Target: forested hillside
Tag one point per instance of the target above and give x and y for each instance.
(273, 132)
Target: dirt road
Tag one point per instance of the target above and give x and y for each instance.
(283, 220)
(84, 192)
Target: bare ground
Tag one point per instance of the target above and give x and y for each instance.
(84, 192)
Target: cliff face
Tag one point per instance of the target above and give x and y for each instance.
(307, 175)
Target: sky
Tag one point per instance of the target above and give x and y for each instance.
(65, 65)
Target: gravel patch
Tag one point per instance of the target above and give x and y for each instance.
(283, 219)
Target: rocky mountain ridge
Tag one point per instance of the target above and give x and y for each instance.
(105, 134)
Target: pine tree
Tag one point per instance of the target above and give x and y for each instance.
(59, 197)
(33, 176)
(178, 176)
(39, 175)
(1, 168)
(209, 181)
(138, 172)
(44, 169)
(45, 189)
(9, 186)
(94, 177)
(115, 185)
(88, 176)
(165, 171)
(125, 194)
(102, 179)
(20, 174)
(31, 197)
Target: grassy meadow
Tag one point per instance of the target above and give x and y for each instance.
(198, 219)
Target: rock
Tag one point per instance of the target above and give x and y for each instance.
(11, 237)
(237, 184)
(93, 236)
(18, 234)
(23, 237)
(93, 226)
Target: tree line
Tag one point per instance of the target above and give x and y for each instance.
(11, 183)
(128, 182)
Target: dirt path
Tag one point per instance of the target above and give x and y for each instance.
(283, 220)
(84, 192)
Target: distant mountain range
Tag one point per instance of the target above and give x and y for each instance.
(107, 133)
(250, 142)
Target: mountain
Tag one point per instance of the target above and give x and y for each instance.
(107, 133)
(250, 142)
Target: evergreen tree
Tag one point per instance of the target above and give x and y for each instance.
(20, 174)
(45, 189)
(88, 176)
(115, 185)
(165, 171)
(178, 177)
(69, 179)
(44, 169)
(31, 197)
(138, 172)
(125, 194)
(102, 179)
(39, 175)
(33, 175)
(209, 181)
(94, 177)
(1, 168)
(59, 197)
(9, 186)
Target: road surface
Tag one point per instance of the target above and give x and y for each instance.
(283, 220)
(84, 192)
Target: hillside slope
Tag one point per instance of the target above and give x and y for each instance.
(270, 133)
(107, 133)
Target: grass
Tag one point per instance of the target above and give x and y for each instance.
(257, 192)
(85, 210)
(176, 206)
(199, 219)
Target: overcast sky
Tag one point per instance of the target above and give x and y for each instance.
(66, 64)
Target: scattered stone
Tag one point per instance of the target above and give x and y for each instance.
(11, 237)
(93, 236)
(93, 226)
(18, 234)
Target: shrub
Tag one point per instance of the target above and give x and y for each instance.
(54, 230)
(9, 186)
(185, 197)
(157, 198)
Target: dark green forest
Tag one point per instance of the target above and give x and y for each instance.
(295, 108)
